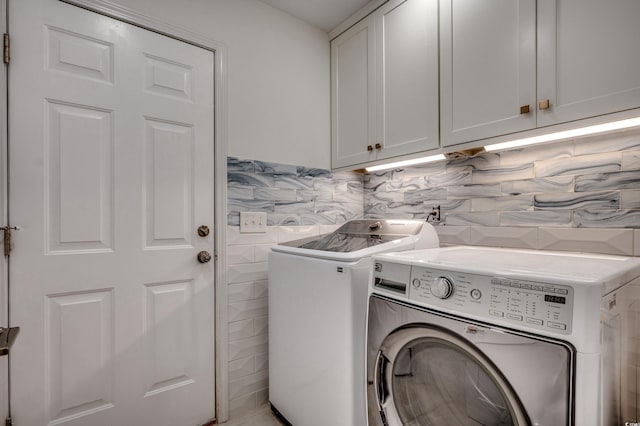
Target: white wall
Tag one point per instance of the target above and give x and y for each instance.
(278, 76)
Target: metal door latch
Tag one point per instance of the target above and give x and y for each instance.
(7, 238)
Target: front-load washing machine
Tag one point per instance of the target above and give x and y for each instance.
(317, 310)
(488, 336)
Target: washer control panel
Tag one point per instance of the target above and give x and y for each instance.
(526, 303)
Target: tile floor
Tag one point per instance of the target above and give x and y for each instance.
(261, 417)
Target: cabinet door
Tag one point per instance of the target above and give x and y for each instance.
(407, 75)
(352, 95)
(487, 68)
(589, 60)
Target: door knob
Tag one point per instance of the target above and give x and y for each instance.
(204, 257)
(203, 230)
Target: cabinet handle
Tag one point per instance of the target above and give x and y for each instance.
(544, 104)
(378, 146)
(524, 109)
(369, 148)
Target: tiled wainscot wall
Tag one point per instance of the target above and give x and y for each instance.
(575, 195)
(299, 202)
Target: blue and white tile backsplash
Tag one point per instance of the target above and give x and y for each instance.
(590, 183)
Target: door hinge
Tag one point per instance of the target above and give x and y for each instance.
(8, 421)
(7, 238)
(5, 48)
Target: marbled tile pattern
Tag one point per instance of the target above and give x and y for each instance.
(591, 183)
(292, 195)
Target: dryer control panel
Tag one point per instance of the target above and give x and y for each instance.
(527, 303)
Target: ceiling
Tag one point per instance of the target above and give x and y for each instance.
(324, 14)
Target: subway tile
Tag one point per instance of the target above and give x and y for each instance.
(375, 210)
(233, 219)
(234, 205)
(241, 367)
(248, 384)
(237, 254)
(262, 252)
(283, 219)
(311, 195)
(295, 207)
(242, 406)
(290, 233)
(412, 184)
(247, 309)
(472, 218)
(497, 175)
(608, 241)
(249, 179)
(456, 205)
(341, 211)
(321, 219)
(454, 177)
(268, 169)
(250, 346)
(631, 160)
(425, 194)
(237, 165)
(275, 194)
(469, 191)
(584, 164)
(530, 154)
(607, 218)
(612, 142)
(293, 182)
(262, 398)
(453, 235)
(313, 172)
(577, 200)
(241, 291)
(261, 289)
(550, 184)
(261, 362)
(246, 272)
(536, 218)
(384, 197)
(510, 203)
(504, 236)
(240, 330)
(406, 210)
(234, 237)
(261, 325)
(238, 192)
(618, 180)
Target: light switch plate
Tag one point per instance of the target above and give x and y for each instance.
(253, 222)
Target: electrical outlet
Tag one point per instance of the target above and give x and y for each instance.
(253, 222)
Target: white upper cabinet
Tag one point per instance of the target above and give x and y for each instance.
(385, 84)
(565, 61)
(353, 89)
(588, 58)
(487, 68)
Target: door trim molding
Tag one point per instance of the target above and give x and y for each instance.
(130, 16)
(4, 193)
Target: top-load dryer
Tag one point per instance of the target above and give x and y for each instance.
(317, 309)
(488, 336)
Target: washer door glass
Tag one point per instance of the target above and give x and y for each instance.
(429, 376)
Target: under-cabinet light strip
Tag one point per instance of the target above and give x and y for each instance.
(405, 163)
(583, 131)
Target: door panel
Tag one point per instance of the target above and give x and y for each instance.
(111, 166)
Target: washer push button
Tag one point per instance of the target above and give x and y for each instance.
(535, 321)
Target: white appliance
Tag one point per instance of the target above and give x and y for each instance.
(317, 310)
(488, 336)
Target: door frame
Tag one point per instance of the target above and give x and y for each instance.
(122, 13)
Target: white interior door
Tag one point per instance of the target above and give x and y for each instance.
(111, 171)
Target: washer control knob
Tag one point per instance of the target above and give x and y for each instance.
(442, 288)
(416, 282)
